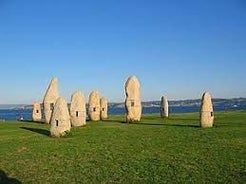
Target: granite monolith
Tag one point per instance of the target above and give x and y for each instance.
(36, 112)
(78, 109)
(51, 96)
(164, 107)
(133, 99)
(104, 108)
(94, 106)
(60, 120)
(207, 112)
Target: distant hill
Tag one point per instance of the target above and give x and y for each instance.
(189, 103)
(175, 103)
(13, 106)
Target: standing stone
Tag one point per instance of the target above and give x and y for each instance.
(60, 120)
(94, 106)
(164, 107)
(78, 109)
(36, 112)
(104, 108)
(133, 99)
(207, 113)
(52, 94)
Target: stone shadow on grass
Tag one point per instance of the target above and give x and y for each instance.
(37, 130)
(31, 121)
(183, 119)
(182, 125)
(159, 124)
(7, 180)
(145, 123)
(113, 121)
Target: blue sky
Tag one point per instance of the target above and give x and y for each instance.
(176, 48)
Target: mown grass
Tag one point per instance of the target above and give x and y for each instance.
(154, 150)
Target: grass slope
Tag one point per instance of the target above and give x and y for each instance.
(152, 151)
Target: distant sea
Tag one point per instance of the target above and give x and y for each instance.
(8, 114)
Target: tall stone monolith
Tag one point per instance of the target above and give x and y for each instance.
(78, 109)
(36, 112)
(60, 120)
(52, 94)
(164, 107)
(207, 113)
(104, 108)
(94, 106)
(133, 99)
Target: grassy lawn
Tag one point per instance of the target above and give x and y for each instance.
(152, 151)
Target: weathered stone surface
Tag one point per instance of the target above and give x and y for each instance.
(207, 113)
(133, 99)
(52, 94)
(60, 120)
(78, 109)
(104, 108)
(94, 106)
(164, 107)
(36, 112)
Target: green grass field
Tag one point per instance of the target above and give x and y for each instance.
(176, 150)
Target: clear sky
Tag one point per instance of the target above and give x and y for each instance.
(176, 48)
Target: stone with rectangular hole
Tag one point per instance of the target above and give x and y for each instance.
(60, 120)
(78, 109)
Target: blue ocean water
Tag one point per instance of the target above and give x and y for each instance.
(8, 115)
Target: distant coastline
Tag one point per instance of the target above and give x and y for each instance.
(218, 102)
(11, 112)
